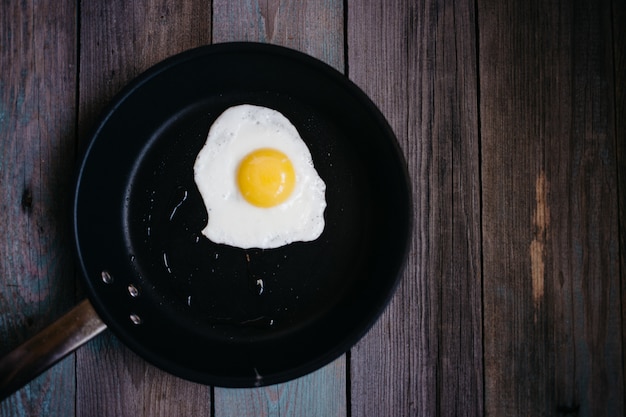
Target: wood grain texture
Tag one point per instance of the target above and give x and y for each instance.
(512, 116)
(417, 60)
(113, 381)
(37, 139)
(316, 28)
(119, 40)
(550, 242)
(321, 393)
(619, 64)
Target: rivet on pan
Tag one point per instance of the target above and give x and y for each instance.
(135, 319)
(106, 277)
(133, 291)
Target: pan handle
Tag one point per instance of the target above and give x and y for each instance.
(47, 347)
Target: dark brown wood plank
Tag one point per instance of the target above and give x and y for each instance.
(417, 60)
(619, 66)
(316, 28)
(37, 140)
(118, 40)
(550, 240)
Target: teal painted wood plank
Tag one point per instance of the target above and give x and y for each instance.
(119, 40)
(37, 139)
(321, 393)
(316, 28)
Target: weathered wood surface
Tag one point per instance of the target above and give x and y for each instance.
(425, 354)
(550, 215)
(37, 139)
(619, 63)
(512, 118)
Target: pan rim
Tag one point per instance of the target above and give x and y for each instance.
(374, 312)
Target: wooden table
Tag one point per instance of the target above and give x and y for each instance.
(511, 115)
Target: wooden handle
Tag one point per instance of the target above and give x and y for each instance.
(48, 347)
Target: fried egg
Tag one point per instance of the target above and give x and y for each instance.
(257, 180)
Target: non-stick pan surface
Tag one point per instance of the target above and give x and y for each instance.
(213, 313)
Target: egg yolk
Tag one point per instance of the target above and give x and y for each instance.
(266, 177)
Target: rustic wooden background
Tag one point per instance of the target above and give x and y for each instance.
(512, 118)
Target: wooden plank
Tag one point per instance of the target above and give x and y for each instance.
(417, 60)
(121, 39)
(619, 63)
(313, 27)
(316, 28)
(37, 120)
(321, 393)
(118, 40)
(550, 240)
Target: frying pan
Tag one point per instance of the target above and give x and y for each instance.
(208, 312)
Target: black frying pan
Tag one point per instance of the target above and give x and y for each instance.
(221, 315)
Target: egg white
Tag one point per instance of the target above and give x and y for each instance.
(231, 219)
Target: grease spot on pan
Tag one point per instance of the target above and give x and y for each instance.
(181, 197)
